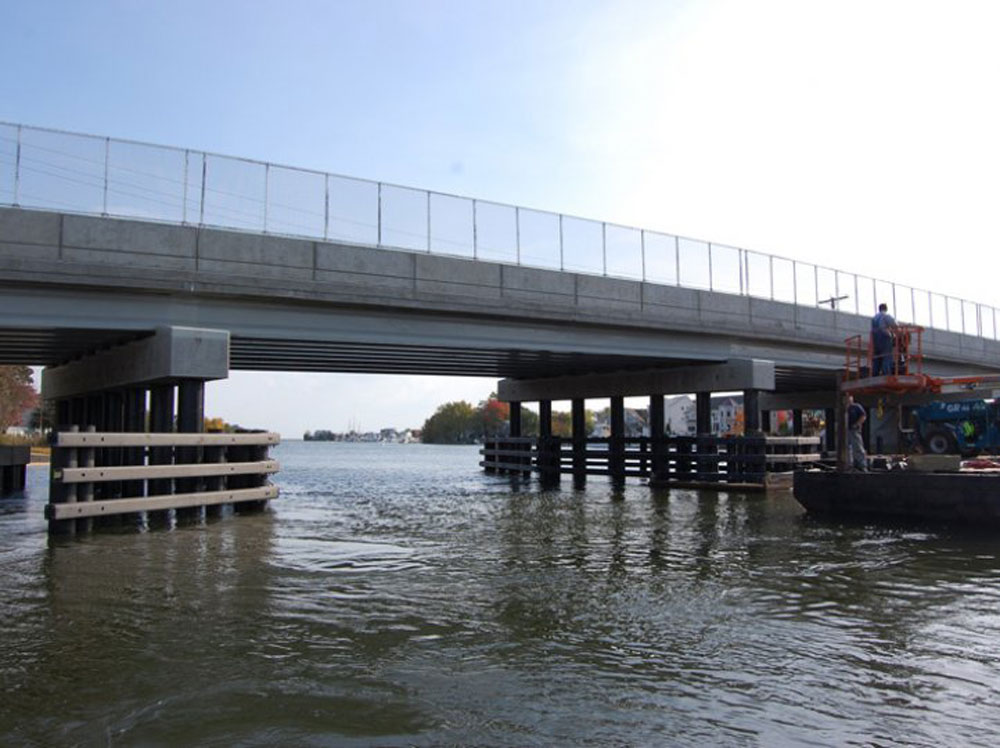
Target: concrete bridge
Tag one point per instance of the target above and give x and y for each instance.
(105, 244)
(74, 284)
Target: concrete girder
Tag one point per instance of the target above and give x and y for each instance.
(739, 374)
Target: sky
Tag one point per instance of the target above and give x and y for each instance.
(857, 134)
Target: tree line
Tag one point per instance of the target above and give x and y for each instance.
(460, 422)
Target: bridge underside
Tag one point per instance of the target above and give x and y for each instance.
(54, 346)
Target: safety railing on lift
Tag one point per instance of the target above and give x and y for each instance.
(904, 359)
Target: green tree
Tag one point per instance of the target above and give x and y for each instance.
(17, 395)
(529, 422)
(453, 423)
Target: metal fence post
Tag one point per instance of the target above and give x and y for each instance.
(795, 282)
(326, 207)
(604, 246)
(741, 261)
(378, 229)
(562, 265)
(428, 222)
(17, 170)
(770, 270)
(107, 157)
(204, 175)
(677, 258)
(517, 232)
(184, 193)
(711, 285)
(642, 252)
(267, 179)
(475, 233)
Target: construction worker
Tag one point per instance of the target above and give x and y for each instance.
(856, 417)
(883, 326)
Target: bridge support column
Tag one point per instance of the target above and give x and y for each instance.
(161, 420)
(705, 443)
(616, 446)
(579, 442)
(797, 422)
(657, 425)
(135, 423)
(765, 421)
(548, 447)
(751, 412)
(111, 420)
(516, 432)
(515, 419)
(190, 419)
(59, 493)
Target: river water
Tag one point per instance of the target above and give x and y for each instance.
(395, 595)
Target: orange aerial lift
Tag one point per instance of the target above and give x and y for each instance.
(907, 377)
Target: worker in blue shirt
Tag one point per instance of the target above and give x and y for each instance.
(883, 326)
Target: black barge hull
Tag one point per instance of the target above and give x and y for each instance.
(900, 494)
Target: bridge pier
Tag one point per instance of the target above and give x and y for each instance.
(549, 447)
(751, 412)
(13, 463)
(696, 459)
(111, 469)
(579, 418)
(657, 426)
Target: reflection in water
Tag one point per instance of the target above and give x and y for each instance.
(396, 596)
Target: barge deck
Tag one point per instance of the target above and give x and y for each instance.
(956, 497)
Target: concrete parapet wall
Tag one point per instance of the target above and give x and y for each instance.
(39, 249)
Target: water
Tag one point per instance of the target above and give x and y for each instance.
(395, 595)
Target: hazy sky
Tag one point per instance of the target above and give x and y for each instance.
(862, 135)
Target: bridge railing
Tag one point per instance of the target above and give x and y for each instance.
(71, 172)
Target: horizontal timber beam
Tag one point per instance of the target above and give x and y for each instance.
(145, 472)
(79, 509)
(734, 375)
(104, 439)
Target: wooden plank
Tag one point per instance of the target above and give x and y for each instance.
(145, 472)
(793, 458)
(107, 439)
(514, 467)
(505, 453)
(791, 441)
(156, 503)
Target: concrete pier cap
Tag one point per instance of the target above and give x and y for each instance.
(732, 375)
(168, 355)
